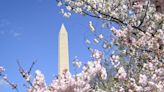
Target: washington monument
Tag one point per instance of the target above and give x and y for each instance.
(63, 53)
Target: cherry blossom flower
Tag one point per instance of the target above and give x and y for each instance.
(1, 69)
(121, 75)
(97, 54)
(77, 63)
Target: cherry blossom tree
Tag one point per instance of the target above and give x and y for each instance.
(138, 60)
(135, 65)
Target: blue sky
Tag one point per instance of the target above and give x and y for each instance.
(29, 31)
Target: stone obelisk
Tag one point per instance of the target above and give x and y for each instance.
(63, 63)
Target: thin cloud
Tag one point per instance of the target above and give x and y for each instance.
(16, 34)
(9, 33)
(4, 22)
(7, 29)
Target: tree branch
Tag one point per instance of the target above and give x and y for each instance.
(142, 20)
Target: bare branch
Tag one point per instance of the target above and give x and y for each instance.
(34, 62)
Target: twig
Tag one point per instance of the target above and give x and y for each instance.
(147, 6)
(32, 66)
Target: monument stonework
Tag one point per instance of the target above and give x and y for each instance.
(63, 63)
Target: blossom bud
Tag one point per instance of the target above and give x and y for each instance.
(87, 41)
(91, 26)
(96, 41)
(101, 36)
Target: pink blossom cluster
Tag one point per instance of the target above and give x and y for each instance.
(38, 83)
(72, 83)
(146, 50)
